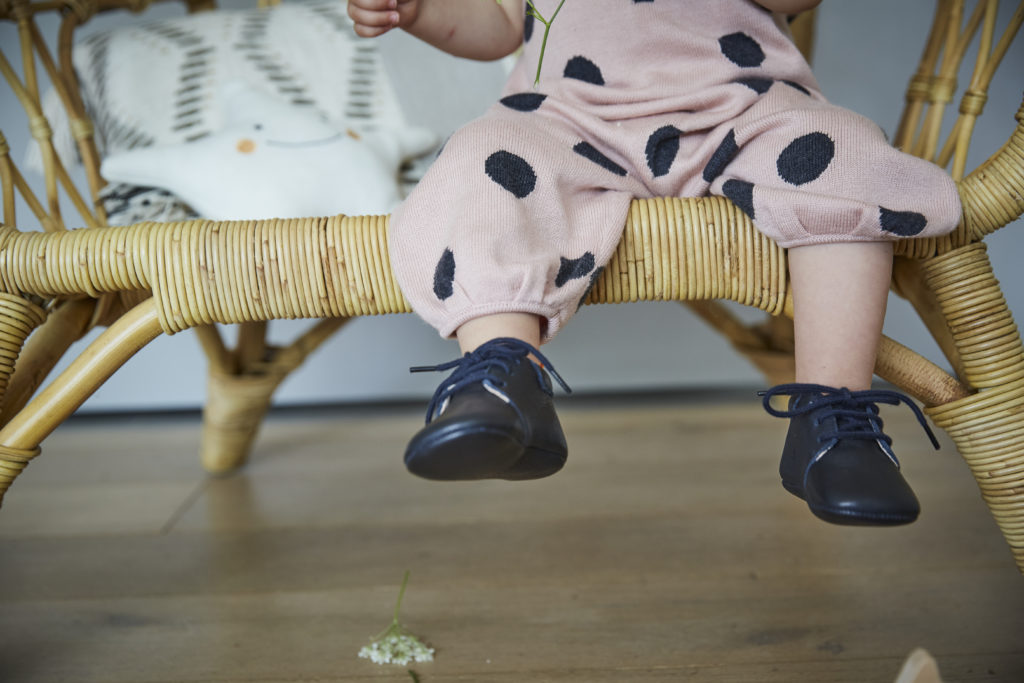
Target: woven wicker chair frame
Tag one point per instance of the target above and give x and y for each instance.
(144, 280)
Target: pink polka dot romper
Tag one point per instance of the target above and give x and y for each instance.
(645, 98)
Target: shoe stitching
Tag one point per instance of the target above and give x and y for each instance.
(817, 457)
(493, 390)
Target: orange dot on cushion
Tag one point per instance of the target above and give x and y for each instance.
(245, 146)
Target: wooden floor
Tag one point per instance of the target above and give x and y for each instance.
(665, 551)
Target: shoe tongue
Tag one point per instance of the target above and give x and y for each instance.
(815, 404)
(810, 398)
(804, 399)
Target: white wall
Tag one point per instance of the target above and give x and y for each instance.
(864, 56)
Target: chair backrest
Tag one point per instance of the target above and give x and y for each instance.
(991, 193)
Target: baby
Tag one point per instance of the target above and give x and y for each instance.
(500, 242)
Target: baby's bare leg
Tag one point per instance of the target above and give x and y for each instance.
(839, 298)
(836, 456)
(522, 326)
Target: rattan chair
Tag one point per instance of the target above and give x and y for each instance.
(145, 280)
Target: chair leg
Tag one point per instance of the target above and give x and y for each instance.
(241, 386)
(987, 426)
(20, 438)
(988, 430)
(18, 319)
(65, 324)
(235, 407)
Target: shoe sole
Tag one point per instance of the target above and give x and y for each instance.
(472, 455)
(464, 455)
(535, 463)
(845, 517)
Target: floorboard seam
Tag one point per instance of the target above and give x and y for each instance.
(189, 501)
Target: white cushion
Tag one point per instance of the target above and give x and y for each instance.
(172, 99)
(163, 82)
(274, 160)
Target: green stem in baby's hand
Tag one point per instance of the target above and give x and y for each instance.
(532, 11)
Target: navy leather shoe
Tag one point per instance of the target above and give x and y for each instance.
(492, 418)
(839, 460)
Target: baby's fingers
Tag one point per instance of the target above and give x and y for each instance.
(373, 17)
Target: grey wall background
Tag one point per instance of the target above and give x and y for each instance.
(865, 53)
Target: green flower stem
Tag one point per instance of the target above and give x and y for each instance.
(395, 645)
(532, 10)
(395, 628)
(401, 594)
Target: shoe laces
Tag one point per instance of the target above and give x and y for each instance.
(855, 412)
(480, 366)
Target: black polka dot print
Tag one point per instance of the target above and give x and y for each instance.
(662, 148)
(524, 101)
(902, 223)
(528, 25)
(512, 172)
(593, 280)
(742, 195)
(571, 269)
(741, 50)
(582, 69)
(587, 150)
(797, 86)
(805, 158)
(758, 85)
(444, 275)
(726, 152)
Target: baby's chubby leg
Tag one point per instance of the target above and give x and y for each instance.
(837, 457)
(840, 292)
(498, 246)
(824, 183)
(478, 331)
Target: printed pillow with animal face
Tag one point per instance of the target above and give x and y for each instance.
(162, 82)
(166, 85)
(273, 160)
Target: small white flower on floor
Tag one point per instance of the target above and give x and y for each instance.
(396, 645)
(397, 648)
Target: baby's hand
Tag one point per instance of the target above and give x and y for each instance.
(376, 17)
